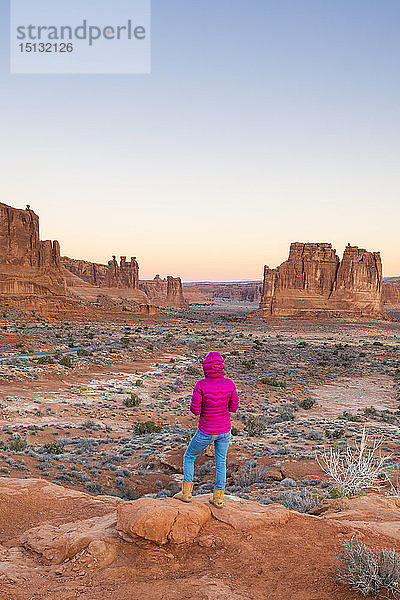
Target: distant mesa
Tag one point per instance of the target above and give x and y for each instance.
(122, 280)
(232, 290)
(175, 292)
(314, 282)
(391, 294)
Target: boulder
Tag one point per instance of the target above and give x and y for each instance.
(302, 469)
(170, 520)
(162, 520)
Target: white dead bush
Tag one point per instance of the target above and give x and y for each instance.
(353, 470)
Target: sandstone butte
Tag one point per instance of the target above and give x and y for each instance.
(31, 273)
(391, 294)
(314, 282)
(125, 277)
(175, 292)
(60, 543)
(34, 276)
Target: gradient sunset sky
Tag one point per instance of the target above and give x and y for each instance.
(262, 123)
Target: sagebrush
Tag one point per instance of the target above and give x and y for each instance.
(370, 571)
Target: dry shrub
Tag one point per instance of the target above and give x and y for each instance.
(370, 571)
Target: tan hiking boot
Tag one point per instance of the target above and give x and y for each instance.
(186, 494)
(217, 498)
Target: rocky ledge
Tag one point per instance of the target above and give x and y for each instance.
(54, 540)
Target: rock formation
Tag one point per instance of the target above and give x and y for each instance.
(55, 538)
(110, 287)
(170, 292)
(30, 269)
(391, 294)
(125, 275)
(175, 292)
(155, 289)
(241, 292)
(314, 282)
(92, 273)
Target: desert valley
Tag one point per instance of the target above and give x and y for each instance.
(97, 367)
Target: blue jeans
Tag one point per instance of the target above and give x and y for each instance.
(199, 442)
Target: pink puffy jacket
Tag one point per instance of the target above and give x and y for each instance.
(214, 397)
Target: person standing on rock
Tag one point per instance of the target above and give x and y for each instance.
(213, 399)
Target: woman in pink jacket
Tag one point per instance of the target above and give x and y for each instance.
(213, 399)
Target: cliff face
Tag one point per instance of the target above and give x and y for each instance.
(30, 269)
(313, 281)
(124, 275)
(391, 294)
(175, 292)
(358, 285)
(92, 273)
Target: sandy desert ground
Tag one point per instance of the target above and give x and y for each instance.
(74, 393)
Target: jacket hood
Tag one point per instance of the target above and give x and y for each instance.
(213, 365)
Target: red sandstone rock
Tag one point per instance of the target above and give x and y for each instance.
(147, 310)
(170, 520)
(244, 551)
(302, 469)
(92, 273)
(60, 543)
(163, 520)
(391, 294)
(358, 284)
(155, 289)
(175, 292)
(246, 515)
(124, 275)
(167, 292)
(30, 269)
(314, 282)
(370, 513)
(27, 503)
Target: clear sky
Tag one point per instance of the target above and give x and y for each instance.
(263, 122)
